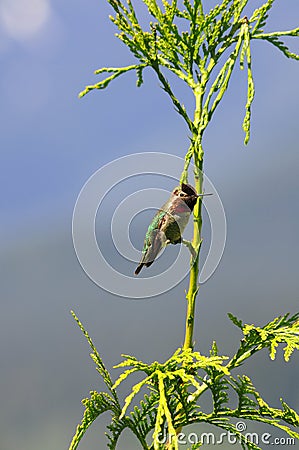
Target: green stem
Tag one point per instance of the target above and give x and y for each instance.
(194, 271)
(193, 278)
(202, 117)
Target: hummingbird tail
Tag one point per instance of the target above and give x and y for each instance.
(156, 245)
(146, 264)
(139, 268)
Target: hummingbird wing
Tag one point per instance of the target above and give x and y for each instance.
(158, 242)
(155, 240)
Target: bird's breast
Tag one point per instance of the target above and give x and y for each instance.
(182, 219)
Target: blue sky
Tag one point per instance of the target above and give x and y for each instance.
(51, 143)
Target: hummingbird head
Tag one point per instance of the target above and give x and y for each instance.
(189, 190)
(188, 194)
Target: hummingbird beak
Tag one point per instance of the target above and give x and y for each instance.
(203, 194)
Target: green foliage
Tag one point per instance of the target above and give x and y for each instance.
(172, 392)
(191, 43)
(201, 48)
(283, 329)
(98, 403)
(97, 359)
(116, 72)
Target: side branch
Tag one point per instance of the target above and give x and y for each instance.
(294, 32)
(116, 72)
(273, 39)
(166, 87)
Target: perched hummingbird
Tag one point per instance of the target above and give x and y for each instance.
(168, 224)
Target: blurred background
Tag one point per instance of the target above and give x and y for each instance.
(51, 143)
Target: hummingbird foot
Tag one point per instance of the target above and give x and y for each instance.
(193, 251)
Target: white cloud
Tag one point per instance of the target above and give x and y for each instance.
(23, 19)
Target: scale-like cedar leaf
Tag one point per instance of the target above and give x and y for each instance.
(97, 404)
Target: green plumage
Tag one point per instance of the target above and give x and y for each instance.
(154, 225)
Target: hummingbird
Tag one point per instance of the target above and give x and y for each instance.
(168, 223)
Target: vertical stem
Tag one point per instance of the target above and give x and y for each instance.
(193, 277)
(196, 242)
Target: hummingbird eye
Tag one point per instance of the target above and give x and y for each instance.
(182, 194)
